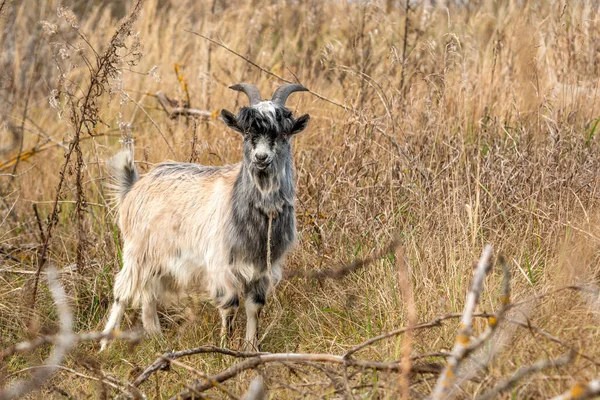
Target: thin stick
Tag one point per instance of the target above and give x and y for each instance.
(581, 391)
(461, 345)
(161, 363)
(254, 362)
(203, 376)
(266, 71)
(23, 347)
(509, 383)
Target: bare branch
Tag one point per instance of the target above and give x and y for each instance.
(163, 361)
(173, 109)
(254, 362)
(581, 391)
(63, 343)
(461, 347)
(509, 383)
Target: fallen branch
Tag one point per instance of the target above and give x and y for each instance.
(254, 362)
(174, 108)
(163, 361)
(509, 383)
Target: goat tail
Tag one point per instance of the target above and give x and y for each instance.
(123, 174)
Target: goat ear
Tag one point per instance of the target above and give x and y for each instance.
(300, 124)
(230, 120)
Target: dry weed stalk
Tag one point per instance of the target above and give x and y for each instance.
(83, 116)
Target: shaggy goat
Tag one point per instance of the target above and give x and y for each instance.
(187, 223)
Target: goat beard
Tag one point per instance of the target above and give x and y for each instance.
(265, 180)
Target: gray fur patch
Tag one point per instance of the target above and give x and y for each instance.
(171, 169)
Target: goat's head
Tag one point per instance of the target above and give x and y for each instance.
(267, 127)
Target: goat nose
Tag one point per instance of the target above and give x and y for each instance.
(262, 157)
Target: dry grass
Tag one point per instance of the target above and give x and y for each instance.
(484, 130)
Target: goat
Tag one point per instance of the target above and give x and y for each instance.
(186, 223)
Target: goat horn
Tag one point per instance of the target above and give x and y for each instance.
(251, 91)
(282, 93)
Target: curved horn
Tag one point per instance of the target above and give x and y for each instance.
(283, 91)
(251, 91)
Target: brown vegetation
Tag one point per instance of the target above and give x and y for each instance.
(437, 128)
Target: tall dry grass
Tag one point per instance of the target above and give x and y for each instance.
(477, 126)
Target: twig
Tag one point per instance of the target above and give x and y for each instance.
(581, 391)
(23, 347)
(254, 362)
(527, 325)
(162, 361)
(203, 376)
(461, 347)
(424, 325)
(73, 372)
(494, 320)
(509, 383)
(266, 71)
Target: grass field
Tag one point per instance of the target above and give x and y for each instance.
(447, 126)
